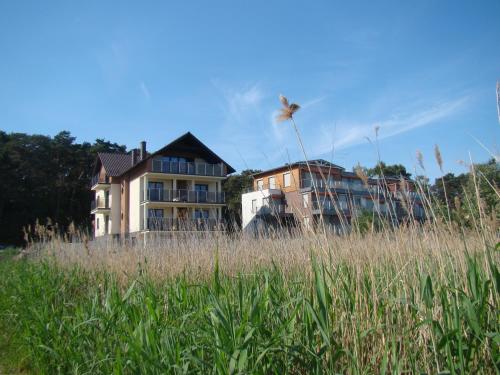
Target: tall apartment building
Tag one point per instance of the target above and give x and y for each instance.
(293, 195)
(176, 188)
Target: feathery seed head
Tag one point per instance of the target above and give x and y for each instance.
(420, 159)
(439, 158)
(288, 110)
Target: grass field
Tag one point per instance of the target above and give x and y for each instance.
(411, 300)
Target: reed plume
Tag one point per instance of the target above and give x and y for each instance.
(439, 160)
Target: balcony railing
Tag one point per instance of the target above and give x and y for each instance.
(171, 224)
(95, 180)
(197, 169)
(185, 196)
(99, 204)
(271, 209)
(328, 205)
(322, 185)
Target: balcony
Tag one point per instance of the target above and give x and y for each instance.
(184, 196)
(271, 209)
(330, 208)
(171, 224)
(99, 204)
(406, 195)
(322, 185)
(96, 181)
(188, 168)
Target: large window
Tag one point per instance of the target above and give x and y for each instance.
(201, 192)
(155, 191)
(286, 179)
(272, 182)
(155, 212)
(201, 214)
(260, 184)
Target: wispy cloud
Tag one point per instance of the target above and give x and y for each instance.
(240, 103)
(347, 134)
(145, 90)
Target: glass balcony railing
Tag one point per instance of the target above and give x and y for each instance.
(186, 196)
(328, 205)
(178, 224)
(196, 169)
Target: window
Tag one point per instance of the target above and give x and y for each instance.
(305, 200)
(155, 212)
(201, 214)
(155, 191)
(286, 179)
(272, 183)
(97, 223)
(201, 192)
(260, 184)
(254, 205)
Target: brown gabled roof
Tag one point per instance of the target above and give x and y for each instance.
(195, 144)
(115, 164)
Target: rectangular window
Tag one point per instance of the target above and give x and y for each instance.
(254, 205)
(305, 200)
(97, 223)
(201, 192)
(260, 184)
(155, 191)
(272, 183)
(155, 212)
(286, 179)
(201, 214)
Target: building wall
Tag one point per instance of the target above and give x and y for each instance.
(279, 179)
(247, 216)
(115, 199)
(134, 205)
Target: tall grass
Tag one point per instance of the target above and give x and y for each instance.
(406, 298)
(409, 301)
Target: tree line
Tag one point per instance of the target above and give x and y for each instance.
(43, 177)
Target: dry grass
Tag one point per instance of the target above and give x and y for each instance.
(194, 254)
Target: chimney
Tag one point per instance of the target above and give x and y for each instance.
(142, 149)
(134, 153)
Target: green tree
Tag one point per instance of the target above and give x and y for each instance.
(43, 177)
(382, 169)
(233, 187)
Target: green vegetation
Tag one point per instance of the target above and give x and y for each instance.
(337, 318)
(45, 177)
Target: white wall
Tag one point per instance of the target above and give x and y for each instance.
(115, 208)
(99, 231)
(134, 205)
(247, 216)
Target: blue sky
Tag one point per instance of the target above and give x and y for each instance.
(424, 72)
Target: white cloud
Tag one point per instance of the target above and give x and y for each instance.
(240, 103)
(348, 134)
